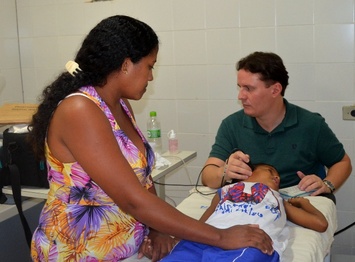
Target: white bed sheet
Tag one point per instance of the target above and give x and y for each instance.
(304, 245)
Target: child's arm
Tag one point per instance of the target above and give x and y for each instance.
(209, 211)
(301, 212)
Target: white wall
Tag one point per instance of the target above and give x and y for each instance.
(195, 81)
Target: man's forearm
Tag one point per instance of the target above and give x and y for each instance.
(339, 172)
(212, 173)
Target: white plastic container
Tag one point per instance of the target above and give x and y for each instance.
(173, 143)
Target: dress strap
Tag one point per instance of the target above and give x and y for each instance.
(78, 94)
(75, 94)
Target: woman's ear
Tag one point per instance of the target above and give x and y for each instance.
(125, 66)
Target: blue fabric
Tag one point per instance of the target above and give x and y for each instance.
(192, 251)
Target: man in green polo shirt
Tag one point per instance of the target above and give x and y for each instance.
(297, 142)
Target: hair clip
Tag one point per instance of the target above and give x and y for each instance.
(72, 67)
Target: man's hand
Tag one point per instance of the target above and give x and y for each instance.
(312, 182)
(237, 167)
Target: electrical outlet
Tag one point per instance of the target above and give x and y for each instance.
(349, 112)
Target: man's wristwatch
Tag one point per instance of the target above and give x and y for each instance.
(329, 185)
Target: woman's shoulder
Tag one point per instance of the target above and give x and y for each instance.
(78, 110)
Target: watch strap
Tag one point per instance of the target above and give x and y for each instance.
(329, 185)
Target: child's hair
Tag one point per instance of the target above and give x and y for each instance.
(253, 167)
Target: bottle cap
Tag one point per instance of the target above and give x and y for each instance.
(153, 113)
(171, 134)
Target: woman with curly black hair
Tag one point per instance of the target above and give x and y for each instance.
(102, 203)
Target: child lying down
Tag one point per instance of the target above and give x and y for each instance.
(255, 201)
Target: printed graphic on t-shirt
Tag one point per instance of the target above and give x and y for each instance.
(237, 199)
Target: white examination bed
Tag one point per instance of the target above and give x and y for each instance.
(304, 245)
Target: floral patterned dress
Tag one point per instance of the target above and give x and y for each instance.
(79, 221)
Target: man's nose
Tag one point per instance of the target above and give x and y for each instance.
(241, 95)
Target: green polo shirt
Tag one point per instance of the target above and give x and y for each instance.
(302, 142)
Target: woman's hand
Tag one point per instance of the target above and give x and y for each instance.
(156, 245)
(241, 236)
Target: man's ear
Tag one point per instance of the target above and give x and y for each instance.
(276, 89)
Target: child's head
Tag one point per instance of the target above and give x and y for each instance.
(266, 174)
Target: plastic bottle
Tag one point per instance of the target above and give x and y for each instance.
(154, 133)
(173, 143)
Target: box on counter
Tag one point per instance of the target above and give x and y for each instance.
(11, 114)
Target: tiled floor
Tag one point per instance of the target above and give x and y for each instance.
(9, 210)
(342, 258)
(12, 238)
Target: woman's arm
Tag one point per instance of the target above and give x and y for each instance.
(301, 212)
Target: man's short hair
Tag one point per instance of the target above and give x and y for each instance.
(269, 66)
